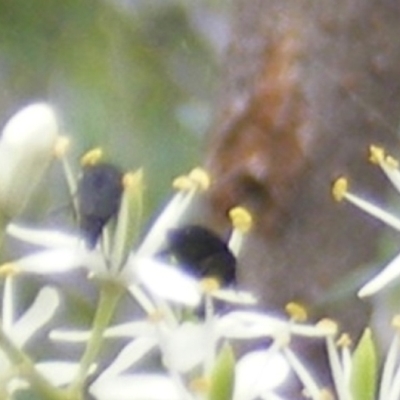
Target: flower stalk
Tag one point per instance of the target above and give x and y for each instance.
(110, 294)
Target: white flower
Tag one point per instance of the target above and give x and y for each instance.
(341, 192)
(258, 374)
(137, 387)
(389, 388)
(26, 149)
(313, 390)
(22, 329)
(190, 346)
(354, 374)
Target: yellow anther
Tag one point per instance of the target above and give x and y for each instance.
(296, 311)
(392, 162)
(156, 316)
(183, 183)
(328, 325)
(376, 154)
(196, 179)
(210, 285)
(200, 385)
(344, 340)
(396, 322)
(132, 179)
(9, 269)
(241, 219)
(200, 177)
(61, 147)
(92, 157)
(326, 394)
(340, 188)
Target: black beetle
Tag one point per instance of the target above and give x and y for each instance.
(202, 253)
(99, 196)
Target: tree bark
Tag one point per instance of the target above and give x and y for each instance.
(307, 86)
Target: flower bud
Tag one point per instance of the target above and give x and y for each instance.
(26, 149)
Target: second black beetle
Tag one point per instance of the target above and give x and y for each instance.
(202, 253)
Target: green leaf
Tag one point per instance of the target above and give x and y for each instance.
(364, 368)
(223, 375)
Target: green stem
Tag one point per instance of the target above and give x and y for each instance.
(110, 294)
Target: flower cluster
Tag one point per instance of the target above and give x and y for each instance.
(340, 191)
(181, 275)
(179, 340)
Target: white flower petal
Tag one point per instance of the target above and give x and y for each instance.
(168, 219)
(168, 282)
(132, 329)
(235, 296)
(389, 368)
(258, 372)
(128, 356)
(386, 276)
(394, 393)
(42, 237)
(248, 324)
(59, 373)
(70, 336)
(37, 315)
(241, 325)
(135, 387)
(129, 330)
(50, 261)
(185, 347)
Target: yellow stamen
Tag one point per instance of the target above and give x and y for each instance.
(209, 285)
(132, 179)
(183, 183)
(326, 394)
(328, 325)
(92, 157)
(63, 144)
(396, 322)
(376, 154)
(196, 179)
(296, 311)
(200, 177)
(340, 188)
(9, 269)
(241, 219)
(344, 340)
(200, 385)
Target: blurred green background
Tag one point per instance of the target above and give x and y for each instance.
(137, 77)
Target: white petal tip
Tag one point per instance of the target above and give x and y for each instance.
(37, 118)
